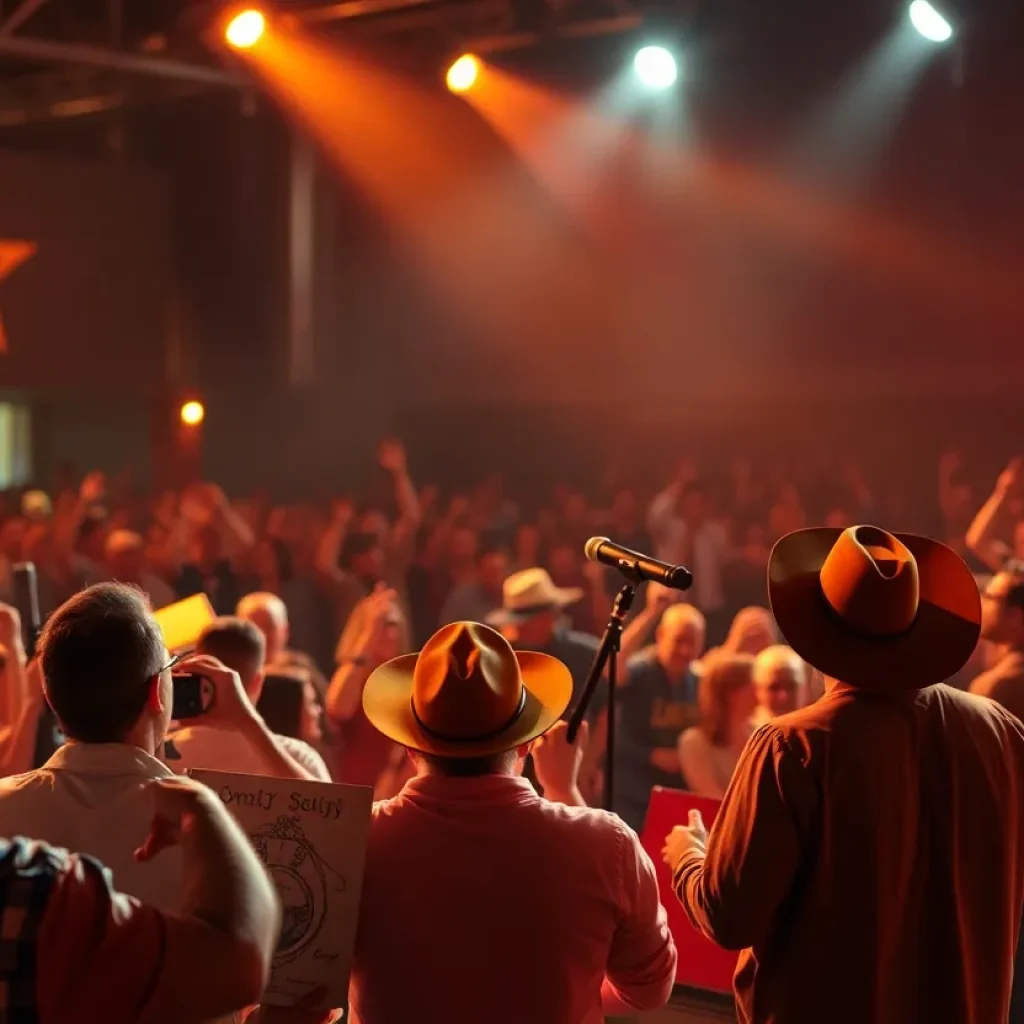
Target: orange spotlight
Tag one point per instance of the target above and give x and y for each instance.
(245, 29)
(462, 75)
(192, 414)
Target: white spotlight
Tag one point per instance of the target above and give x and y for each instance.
(655, 67)
(927, 20)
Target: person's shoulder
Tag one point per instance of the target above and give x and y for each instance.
(693, 739)
(582, 640)
(641, 664)
(306, 756)
(25, 782)
(588, 825)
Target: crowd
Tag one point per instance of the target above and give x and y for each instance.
(314, 602)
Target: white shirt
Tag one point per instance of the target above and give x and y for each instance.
(217, 750)
(89, 798)
(706, 768)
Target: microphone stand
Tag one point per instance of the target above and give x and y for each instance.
(607, 654)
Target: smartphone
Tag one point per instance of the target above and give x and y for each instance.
(193, 696)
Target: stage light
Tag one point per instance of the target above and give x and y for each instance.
(245, 29)
(927, 20)
(462, 75)
(655, 67)
(192, 414)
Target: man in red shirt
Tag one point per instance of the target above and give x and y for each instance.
(72, 948)
(867, 857)
(482, 901)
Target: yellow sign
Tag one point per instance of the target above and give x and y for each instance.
(12, 255)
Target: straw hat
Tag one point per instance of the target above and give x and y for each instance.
(874, 609)
(467, 694)
(531, 592)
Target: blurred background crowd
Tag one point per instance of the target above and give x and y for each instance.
(339, 585)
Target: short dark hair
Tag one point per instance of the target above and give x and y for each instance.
(98, 652)
(238, 643)
(357, 544)
(470, 767)
(281, 700)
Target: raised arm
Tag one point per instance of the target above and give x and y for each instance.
(392, 457)
(328, 550)
(983, 534)
(233, 712)
(218, 952)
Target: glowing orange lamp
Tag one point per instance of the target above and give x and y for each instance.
(193, 413)
(245, 29)
(462, 75)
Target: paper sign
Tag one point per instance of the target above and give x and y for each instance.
(312, 837)
(182, 622)
(702, 964)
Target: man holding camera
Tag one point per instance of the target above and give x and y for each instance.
(108, 679)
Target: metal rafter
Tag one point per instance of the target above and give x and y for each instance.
(19, 16)
(46, 52)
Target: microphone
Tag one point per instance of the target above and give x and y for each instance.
(636, 567)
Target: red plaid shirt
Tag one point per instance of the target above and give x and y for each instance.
(71, 948)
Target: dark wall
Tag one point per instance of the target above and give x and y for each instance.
(89, 310)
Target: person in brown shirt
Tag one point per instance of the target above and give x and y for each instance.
(1002, 624)
(868, 857)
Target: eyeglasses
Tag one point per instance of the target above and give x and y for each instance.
(180, 656)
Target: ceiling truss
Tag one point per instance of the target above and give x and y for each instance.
(73, 58)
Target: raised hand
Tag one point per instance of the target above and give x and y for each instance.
(391, 455)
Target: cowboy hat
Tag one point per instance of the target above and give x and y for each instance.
(874, 609)
(467, 694)
(531, 592)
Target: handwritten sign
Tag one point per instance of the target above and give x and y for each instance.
(312, 837)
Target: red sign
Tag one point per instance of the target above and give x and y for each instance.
(702, 964)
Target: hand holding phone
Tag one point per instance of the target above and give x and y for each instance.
(215, 690)
(194, 695)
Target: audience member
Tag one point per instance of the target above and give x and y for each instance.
(124, 559)
(995, 536)
(107, 676)
(76, 949)
(269, 614)
(780, 683)
(709, 751)
(475, 599)
(531, 618)
(252, 749)
(375, 633)
(867, 855)
(354, 562)
(685, 534)
(1002, 625)
(577, 921)
(656, 702)
(290, 706)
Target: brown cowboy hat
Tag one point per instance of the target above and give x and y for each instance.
(874, 609)
(467, 694)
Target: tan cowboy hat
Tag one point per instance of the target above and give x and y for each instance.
(874, 609)
(467, 694)
(531, 592)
